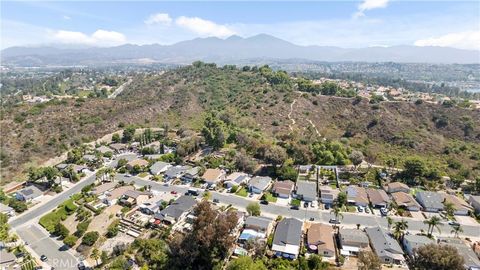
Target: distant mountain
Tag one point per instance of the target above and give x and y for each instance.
(230, 50)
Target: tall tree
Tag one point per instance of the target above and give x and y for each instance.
(456, 230)
(433, 222)
(367, 260)
(399, 228)
(438, 257)
(253, 209)
(95, 255)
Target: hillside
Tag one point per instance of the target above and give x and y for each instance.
(230, 50)
(251, 99)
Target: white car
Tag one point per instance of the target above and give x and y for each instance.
(314, 204)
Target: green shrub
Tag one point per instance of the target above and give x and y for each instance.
(70, 240)
(90, 238)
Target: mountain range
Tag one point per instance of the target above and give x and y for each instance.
(230, 50)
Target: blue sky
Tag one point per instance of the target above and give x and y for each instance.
(360, 23)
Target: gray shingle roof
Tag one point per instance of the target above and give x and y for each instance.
(382, 242)
(158, 166)
(30, 192)
(288, 231)
(261, 222)
(429, 199)
(354, 235)
(307, 189)
(177, 208)
(260, 182)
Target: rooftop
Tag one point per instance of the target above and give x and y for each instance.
(288, 231)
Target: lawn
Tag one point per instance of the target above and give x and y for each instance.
(351, 209)
(269, 197)
(295, 202)
(143, 174)
(242, 192)
(49, 220)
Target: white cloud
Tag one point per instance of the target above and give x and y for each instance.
(159, 18)
(204, 27)
(65, 17)
(98, 38)
(369, 5)
(463, 40)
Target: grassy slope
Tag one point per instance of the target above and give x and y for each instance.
(182, 96)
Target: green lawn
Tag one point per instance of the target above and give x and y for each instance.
(242, 192)
(142, 175)
(351, 209)
(269, 197)
(49, 220)
(295, 202)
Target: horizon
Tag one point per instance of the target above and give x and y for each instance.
(346, 24)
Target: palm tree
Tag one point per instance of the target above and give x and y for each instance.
(449, 208)
(95, 255)
(399, 229)
(433, 222)
(456, 230)
(389, 222)
(338, 214)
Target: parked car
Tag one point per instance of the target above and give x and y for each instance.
(43, 258)
(334, 221)
(327, 206)
(314, 204)
(294, 207)
(216, 200)
(453, 223)
(305, 204)
(312, 219)
(173, 192)
(384, 211)
(359, 209)
(264, 202)
(367, 210)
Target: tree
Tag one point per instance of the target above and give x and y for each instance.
(4, 227)
(61, 230)
(315, 262)
(337, 212)
(128, 134)
(209, 241)
(70, 240)
(275, 155)
(116, 138)
(90, 238)
(449, 208)
(414, 169)
(253, 209)
(95, 255)
(389, 222)
(367, 260)
(18, 206)
(356, 157)
(399, 228)
(456, 230)
(113, 229)
(246, 263)
(439, 257)
(152, 252)
(341, 199)
(213, 131)
(433, 222)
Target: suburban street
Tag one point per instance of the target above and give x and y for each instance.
(26, 225)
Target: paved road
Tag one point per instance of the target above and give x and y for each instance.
(36, 213)
(39, 240)
(349, 219)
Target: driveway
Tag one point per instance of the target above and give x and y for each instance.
(417, 215)
(466, 220)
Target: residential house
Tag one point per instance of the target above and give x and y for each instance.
(259, 184)
(305, 169)
(176, 211)
(430, 201)
(406, 201)
(235, 179)
(213, 176)
(352, 241)
(175, 172)
(80, 168)
(259, 224)
(135, 197)
(462, 208)
(137, 162)
(159, 167)
(475, 203)
(190, 175)
(101, 189)
(29, 194)
(385, 246)
(7, 210)
(156, 203)
(320, 239)
(104, 149)
(357, 195)
(397, 187)
(89, 158)
(378, 197)
(287, 238)
(328, 195)
(283, 189)
(118, 147)
(412, 241)
(306, 191)
(111, 197)
(471, 261)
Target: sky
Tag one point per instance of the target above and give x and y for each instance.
(349, 24)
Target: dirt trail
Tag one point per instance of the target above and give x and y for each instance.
(314, 127)
(290, 115)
